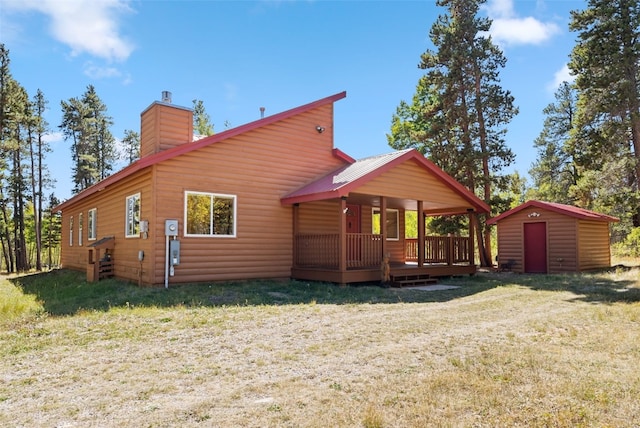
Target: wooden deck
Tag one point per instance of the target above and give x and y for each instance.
(317, 258)
(352, 276)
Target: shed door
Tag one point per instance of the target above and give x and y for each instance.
(535, 247)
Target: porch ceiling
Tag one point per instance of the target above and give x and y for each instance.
(429, 208)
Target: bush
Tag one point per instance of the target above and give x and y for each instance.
(630, 247)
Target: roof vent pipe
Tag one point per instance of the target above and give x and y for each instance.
(261, 112)
(166, 97)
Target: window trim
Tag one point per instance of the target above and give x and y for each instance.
(376, 210)
(71, 231)
(128, 221)
(212, 195)
(80, 228)
(92, 227)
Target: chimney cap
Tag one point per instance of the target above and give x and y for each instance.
(166, 97)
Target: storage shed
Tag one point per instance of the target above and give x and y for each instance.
(547, 237)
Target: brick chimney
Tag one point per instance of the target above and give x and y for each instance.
(164, 125)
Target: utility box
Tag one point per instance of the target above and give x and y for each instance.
(171, 227)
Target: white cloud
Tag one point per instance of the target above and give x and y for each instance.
(98, 72)
(509, 29)
(562, 75)
(54, 138)
(86, 26)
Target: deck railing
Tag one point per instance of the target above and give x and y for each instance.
(322, 250)
(317, 250)
(365, 250)
(439, 249)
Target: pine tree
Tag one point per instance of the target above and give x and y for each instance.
(18, 115)
(86, 123)
(131, 143)
(606, 63)
(39, 177)
(201, 121)
(555, 170)
(52, 229)
(459, 112)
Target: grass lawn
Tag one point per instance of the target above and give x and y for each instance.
(500, 350)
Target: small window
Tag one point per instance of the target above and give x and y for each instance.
(91, 225)
(71, 231)
(132, 222)
(80, 218)
(393, 225)
(209, 214)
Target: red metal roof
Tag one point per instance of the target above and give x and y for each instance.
(569, 210)
(195, 145)
(348, 178)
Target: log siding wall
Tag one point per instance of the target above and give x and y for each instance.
(110, 208)
(259, 167)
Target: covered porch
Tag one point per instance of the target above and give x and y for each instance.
(357, 257)
(350, 223)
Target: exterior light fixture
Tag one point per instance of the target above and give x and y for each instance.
(320, 129)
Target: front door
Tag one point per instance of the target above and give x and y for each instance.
(353, 242)
(353, 218)
(535, 247)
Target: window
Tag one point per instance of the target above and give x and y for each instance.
(71, 231)
(80, 218)
(132, 225)
(91, 225)
(208, 214)
(393, 225)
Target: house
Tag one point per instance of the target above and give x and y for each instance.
(546, 237)
(269, 199)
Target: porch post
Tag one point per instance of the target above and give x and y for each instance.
(342, 242)
(296, 227)
(421, 233)
(472, 231)
(383, 225)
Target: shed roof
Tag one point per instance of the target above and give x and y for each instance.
(188, 147)
(568, 210)
(349, 177)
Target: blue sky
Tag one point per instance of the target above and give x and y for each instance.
(237, 56)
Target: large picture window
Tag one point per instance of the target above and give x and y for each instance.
(132, 225)
(393, 223)
(209, 214)
(91, 225)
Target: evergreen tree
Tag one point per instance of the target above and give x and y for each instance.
(201, 121)
(555, 170)
(18, 115)
(52, 229)
(459, 112)
(39, 177)
(131, 143)
(86, 123)
(606, 63)
(23, 174)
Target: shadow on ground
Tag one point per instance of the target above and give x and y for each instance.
(65, 292)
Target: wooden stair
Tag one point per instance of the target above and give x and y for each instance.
(412, 280)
